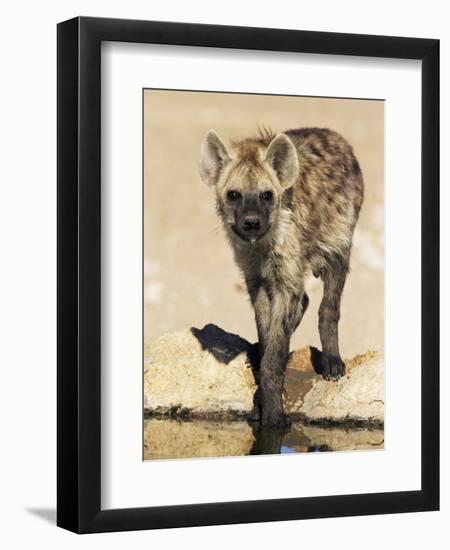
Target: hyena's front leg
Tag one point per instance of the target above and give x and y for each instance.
(275, 358)
(295, 309)
(332, 366)
(261, 304)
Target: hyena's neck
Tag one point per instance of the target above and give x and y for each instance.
(275, 257)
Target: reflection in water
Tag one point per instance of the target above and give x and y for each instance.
(169, 438)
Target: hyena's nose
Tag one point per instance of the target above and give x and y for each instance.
(251, 223)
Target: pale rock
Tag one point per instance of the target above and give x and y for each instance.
(205, 372)
(356, 397)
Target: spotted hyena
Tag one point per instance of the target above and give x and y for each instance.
(289, 204)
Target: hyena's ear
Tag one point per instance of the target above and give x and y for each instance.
(282, 157)
(213, 158)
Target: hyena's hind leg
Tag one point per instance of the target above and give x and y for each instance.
(333, 276)
(261, 304)
(298, 310)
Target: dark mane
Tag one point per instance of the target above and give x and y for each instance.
(265, 135)
(248, 148)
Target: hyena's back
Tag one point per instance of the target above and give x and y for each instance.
(328, 195)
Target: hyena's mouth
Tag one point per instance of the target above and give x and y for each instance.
(251, 238)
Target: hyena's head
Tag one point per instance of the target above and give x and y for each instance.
(249, 179)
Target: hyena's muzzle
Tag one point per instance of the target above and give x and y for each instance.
(251, 215)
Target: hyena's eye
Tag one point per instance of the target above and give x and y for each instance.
(233, 195)
(267, 196)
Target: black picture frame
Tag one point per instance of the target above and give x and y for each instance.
(79, 275)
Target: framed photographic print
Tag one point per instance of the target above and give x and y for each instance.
(248, 289)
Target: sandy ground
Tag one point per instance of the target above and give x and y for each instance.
(189, 272)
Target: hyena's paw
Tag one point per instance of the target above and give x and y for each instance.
(279, 420)
(333, 367)
(254, 415)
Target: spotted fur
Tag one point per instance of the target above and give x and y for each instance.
(315, 186)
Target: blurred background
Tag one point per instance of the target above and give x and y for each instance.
(190, 278)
